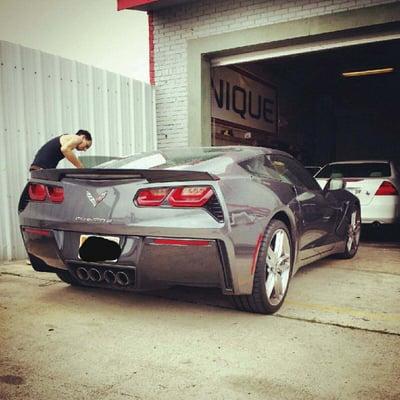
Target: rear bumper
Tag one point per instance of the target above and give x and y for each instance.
(151, 262)
(381, 220)
(382, 209)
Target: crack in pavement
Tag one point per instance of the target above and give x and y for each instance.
(30, 277)
(364, 270)
(314, 321)
(13, 274)
(307, 320)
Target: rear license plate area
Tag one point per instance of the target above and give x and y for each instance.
(98, 248)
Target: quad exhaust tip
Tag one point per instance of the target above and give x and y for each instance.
(110, 277)
(82, 274)
(94, 275)
(122, 278)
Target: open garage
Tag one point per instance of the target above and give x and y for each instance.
(325, 101)
(322, 106)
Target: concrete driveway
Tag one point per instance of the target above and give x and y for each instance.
(336, 337)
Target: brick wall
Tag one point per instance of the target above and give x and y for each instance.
(173, 26)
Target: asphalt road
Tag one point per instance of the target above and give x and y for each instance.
(336, 337)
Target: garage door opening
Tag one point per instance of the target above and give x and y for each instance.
(304, 104)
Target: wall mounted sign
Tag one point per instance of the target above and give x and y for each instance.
(242, 100)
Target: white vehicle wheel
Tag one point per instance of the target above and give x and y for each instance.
(272, 274)
(353, 234)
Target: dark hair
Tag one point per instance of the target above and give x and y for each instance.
(86, 134)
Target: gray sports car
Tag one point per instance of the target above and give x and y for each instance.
(243, 219)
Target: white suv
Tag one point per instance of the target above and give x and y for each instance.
(375, 183)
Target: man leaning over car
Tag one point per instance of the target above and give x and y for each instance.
(63, 146)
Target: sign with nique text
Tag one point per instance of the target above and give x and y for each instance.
(243, 100)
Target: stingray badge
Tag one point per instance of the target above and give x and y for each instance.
(95, 200)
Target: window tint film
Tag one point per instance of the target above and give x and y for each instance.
(355, 170)
(280, 168)
(260, 166)
(291, 171)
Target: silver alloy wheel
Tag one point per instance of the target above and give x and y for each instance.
(354, 232)
(278, 266)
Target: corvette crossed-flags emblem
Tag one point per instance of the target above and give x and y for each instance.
(95, 200)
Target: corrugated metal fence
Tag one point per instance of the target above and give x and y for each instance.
(42, 96)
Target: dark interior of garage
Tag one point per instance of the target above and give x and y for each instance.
(324, 116)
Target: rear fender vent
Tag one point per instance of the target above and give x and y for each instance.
(225, 267)
(214, 208)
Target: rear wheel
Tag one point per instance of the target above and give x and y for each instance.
(353, 234)
(272, 274)
(66, 277)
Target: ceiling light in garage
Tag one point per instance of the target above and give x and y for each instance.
(367, 72)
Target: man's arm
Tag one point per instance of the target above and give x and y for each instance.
(67, 149)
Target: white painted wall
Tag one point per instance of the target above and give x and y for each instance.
(88, 31)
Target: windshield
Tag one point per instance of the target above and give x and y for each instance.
(355, 170)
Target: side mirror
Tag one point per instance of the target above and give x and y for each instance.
(334, 184)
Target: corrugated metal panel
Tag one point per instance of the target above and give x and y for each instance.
(42, 96)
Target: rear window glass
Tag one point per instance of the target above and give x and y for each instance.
(356, 170)
(96, 161)
(179, 158)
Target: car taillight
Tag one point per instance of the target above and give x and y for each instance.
(386, 189)
(56, 194)
(152, 197)
(190, 196)
(186, 196)
(37, 192)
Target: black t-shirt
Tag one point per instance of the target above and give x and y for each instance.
(49, 155)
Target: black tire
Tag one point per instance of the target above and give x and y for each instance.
(66, 277)
(353, 233)
(258, 301)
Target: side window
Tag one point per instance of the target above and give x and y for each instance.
(260, 166)
(293, 172)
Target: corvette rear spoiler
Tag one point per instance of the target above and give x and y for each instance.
(151, 175)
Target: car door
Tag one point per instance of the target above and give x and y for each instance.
(318, 213)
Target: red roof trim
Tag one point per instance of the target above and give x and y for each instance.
(147, 5)
(124, 4)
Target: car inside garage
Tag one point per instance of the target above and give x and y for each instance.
(338, 104)
(331, 105)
